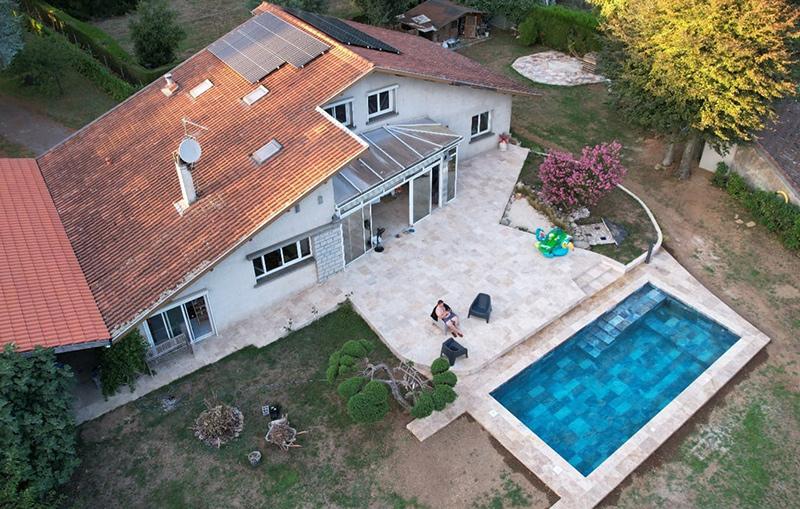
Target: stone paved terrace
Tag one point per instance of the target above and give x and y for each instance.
(459, 251)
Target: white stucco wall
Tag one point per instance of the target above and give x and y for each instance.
(450, 105)
(232, 293)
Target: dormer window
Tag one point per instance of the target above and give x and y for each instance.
(200, 89)
(255, 95)
(342, 111)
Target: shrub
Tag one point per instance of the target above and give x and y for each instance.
(369, 405)
(561, 28)
(351, 387)
(155, 33)
(442, 396)
(11, 41)
(768, 209)
(357, 349)
(440, 365)
(424, 405)
(446, 378)
(569, 183)
(720, 178)
(122, 362)
(37, 430)
(332, 372)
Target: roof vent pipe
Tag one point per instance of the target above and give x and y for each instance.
(170, 87)
(188, 154)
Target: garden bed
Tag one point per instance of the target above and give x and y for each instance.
(141, 456)
(618, 207)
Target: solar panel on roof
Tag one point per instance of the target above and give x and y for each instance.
(262, 44)
(341, 31)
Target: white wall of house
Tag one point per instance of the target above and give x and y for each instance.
(230, 287)
(450, 105)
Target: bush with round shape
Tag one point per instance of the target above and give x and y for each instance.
(331, 373)
(442, 396)
(356, 349)
(446, 378)
(351, 387)
(369, 405)
(440, 365)
(424, 406)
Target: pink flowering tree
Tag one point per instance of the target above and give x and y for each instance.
(569, 183)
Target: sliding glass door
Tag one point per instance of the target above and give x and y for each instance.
(190, 318)
(421, 197)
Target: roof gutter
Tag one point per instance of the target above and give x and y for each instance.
(425, 77)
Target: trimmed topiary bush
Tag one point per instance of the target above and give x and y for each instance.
(443, 395)
(440, 365)
(446, 378)
(424, 406)
(357, 349)
(369, 405)
(351, 387)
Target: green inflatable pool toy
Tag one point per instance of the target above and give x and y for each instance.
(556, 243)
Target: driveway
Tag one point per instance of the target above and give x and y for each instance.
(32, 130)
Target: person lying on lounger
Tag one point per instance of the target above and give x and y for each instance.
(450, 319)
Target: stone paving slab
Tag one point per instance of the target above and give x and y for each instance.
(576, 490)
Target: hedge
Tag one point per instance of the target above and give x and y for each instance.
(101, 45)
(562, 29)
(767, 208)
(86, 9)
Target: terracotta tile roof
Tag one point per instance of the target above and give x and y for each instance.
(781, 140)
(114, 182)
(428, 60)
(440, 12)
(44, 298)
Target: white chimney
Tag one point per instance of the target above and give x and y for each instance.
(185, 179)
(188, 154)
(170, 87)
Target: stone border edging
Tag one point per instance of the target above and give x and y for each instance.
(659, 235)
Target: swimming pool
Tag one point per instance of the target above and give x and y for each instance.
(589, 395)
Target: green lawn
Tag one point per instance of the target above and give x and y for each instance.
(81, 102)
(139, 456)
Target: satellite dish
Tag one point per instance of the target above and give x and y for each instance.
(189, 150)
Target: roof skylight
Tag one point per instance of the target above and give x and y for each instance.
(200, 89)
(255, 95)
(263, 154)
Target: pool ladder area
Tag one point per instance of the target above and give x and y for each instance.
(600, 334)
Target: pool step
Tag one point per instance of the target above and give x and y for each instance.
(597, 278)
(602, 332)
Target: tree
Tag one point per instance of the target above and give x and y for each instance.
(10, 32)
(569, 183)
(37, 430)
(514, 10)
(122, 362)
(155, 33)
(717, 65)
(367, 392)
(42, 63)
(383, 12)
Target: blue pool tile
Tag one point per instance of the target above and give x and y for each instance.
(589, 395)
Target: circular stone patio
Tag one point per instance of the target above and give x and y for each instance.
(555, 68)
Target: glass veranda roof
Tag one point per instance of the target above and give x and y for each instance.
(392, 150)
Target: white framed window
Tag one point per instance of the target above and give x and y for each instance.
(381, 102)
(190, 317)
(481, 124)
(279, 259)
(342, 111)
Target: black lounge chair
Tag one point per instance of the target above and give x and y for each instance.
(481, 307)
(452, 349)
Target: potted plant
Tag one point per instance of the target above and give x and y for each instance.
(505, 138)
